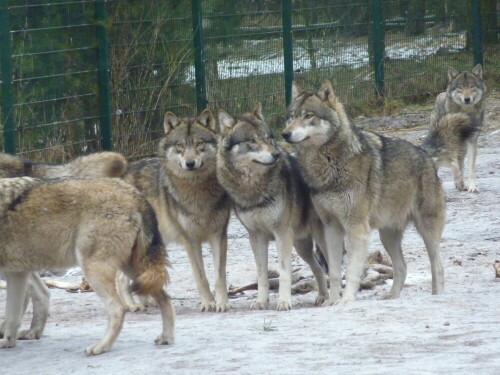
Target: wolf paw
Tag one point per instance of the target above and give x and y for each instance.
(460, 186)
(222, 307)
(164, 339)
(320, 300)
(388, 296)
(97, 348)
(472, 189)
(30, 334)
(345, 300)
(259, 305)
(4, 343)
(284, 305)
(207, 306)
(135, 308)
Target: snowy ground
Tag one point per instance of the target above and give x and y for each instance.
(455, 333)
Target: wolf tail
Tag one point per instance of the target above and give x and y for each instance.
(12, 191)
(453, 130)
(150, 256)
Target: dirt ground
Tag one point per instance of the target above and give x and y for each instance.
(457, 332)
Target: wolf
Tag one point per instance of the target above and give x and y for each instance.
(270, 199)
(191, 206)
(465, 93)
(360, 181)
(102, 225)
(96, 165)
(446, 142)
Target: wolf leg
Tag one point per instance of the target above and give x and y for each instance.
(284, 245)
(357, 239)
(17, 284)
(334, 239)
(123, 289)
(472, 152)
(40, 296)
(430, 229)
(196, 258)
(305, 248)
(168, 318)
(218, 243)
(102, 277)
(457, 167)
(391, 239)
(259, 245)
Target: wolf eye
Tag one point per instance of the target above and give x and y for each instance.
(251, 141)
(179, 146)
(309, 116)
(199, 143)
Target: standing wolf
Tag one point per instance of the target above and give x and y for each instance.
(465, 94)
(270, 199)
(191, 206)
(102, 225)
(96, 165)
(361, 181)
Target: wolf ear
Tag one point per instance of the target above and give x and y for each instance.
(296, 91)
(170, 121)
(326, 92)
(207, 120)
(226, 121)
(257, 111)
(452, 74)
(478, 71)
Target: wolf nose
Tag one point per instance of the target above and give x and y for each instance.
(286, 134)
(467, 100)
(276, 155)
(190, 164)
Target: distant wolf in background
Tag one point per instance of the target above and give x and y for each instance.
(446, 142)
(270, 199)
(360, 181)
(97, 165)
(191, 206)
(465, 94)
(102, 225)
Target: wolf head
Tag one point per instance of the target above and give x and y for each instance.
(314, 118)
(189, 144)
(466, 88)
(247, 140)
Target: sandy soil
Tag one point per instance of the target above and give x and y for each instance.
(458, 332)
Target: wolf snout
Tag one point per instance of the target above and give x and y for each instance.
(286, 134)
(190, 164)
(467, 100)
(276, 155)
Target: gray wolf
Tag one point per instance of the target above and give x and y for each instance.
(102, 225)
(97, 165)
(465, 93)
(191, 205)
(360, 181)
(270, 199)
(446, 142)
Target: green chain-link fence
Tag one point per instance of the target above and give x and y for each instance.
(82, 76)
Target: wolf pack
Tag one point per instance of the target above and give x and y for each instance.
(320, 193)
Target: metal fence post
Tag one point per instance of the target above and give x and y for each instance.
(477, 45)
(286, 15)
(103, 80)
(378, 47)
(199, 56)
(6, 67)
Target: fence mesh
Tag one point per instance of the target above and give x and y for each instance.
(152, 69)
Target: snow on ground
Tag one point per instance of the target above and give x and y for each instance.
(337, 54)
(418, 334)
